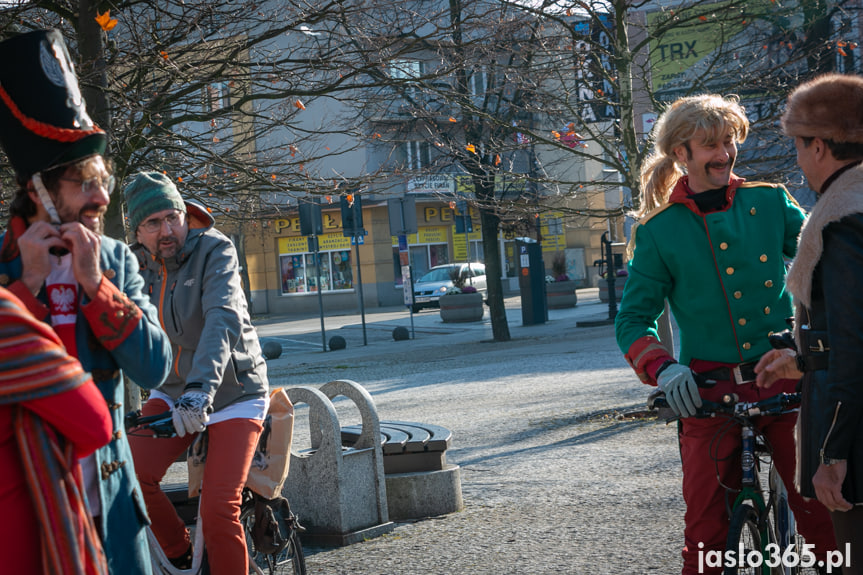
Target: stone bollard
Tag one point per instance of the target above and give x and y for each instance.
(339, 494)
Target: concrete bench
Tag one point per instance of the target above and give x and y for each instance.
(408, 446)
(420, 482)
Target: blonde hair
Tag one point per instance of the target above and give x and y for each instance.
(710, 113)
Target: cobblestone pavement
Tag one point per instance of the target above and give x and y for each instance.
(554, 479)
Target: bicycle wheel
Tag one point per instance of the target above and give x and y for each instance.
(291, 555)
(784, 528)
(744, 543)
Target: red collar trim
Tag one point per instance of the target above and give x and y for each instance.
(682, 193)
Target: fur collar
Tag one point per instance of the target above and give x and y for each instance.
(843, 198)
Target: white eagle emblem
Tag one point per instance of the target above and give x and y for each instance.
(63, 299)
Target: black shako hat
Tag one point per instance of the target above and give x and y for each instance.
(43, 118)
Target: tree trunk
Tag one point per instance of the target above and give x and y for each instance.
(493, 271)
(93, 72)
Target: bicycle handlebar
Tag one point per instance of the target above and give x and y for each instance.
(730, 405)
(161, 424)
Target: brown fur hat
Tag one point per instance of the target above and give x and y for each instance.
(829, 107)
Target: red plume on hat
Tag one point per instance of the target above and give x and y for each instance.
(829, 107)
(43, 117)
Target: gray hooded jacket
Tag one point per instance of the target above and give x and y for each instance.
(203, 310)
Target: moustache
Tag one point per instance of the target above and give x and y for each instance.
(720, 165)
(94, 208)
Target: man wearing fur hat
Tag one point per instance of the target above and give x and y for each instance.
(219, 379)
(825, 118)
(54, 257)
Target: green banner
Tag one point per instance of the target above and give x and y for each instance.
(703, 29)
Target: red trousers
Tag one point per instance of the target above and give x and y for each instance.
(711, 448)
(229, 454)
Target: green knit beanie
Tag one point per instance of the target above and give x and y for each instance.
(148, 193)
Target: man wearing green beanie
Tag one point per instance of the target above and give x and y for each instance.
(219, 378)
(148, 193)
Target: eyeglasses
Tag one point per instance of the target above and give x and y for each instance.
(91, 185)
(153, 225)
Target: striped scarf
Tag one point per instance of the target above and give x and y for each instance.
(33, 364)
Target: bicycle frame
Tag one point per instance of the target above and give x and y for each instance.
(751, 488)
(782, 531)
(162, 426)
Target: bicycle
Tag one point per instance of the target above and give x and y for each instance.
(277, 546)
(762, 535)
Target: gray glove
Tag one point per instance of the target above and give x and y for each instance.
(191, 412)
(681, 391)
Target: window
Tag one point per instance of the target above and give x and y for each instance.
(417, 155)
(216, 97)
(341, 271)
(555, 226)
(293, 273)
(477, 83)
(300, 274)
(425, 257)
(404, 69)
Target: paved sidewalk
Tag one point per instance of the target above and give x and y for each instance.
(302, 335)
(556, 476)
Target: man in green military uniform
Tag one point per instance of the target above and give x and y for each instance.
(714, 247)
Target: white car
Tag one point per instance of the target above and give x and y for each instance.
(436, 282)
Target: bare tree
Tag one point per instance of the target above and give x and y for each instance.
(214, 93)
(531, 93)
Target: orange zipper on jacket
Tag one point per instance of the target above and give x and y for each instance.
(162, 289)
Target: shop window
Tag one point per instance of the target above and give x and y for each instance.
(342, 275)
(423, 257)
(293, 273)
(476, 251)
(300, 272)
(419, 260)
(438, 255)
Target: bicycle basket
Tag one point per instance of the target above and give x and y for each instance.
(272, 525)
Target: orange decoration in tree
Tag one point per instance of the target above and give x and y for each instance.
(299, 105)
(105, 21)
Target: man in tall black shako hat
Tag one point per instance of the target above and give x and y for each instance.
(54, 257)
